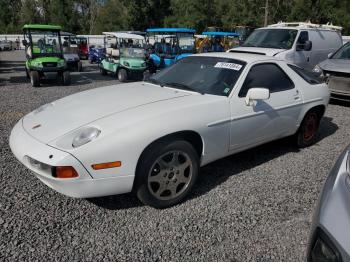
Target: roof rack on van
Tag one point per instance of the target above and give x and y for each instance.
(307, 25)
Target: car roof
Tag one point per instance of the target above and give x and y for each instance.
(220, 33)
(170, 30)
(66, 34)
(42, 27)
(124, 35)
(246, 57)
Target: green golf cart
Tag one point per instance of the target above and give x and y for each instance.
(125, 55)
(43, 50)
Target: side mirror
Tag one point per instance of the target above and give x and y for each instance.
(24, 42)
(256, 93)
(330, 55)
(307, 46)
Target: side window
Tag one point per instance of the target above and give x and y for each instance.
(303, 37)
(269, 76)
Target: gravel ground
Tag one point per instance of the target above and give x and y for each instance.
(253, 206)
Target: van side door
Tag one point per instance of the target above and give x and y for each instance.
(303, 51)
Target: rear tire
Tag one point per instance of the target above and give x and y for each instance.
(122, 75)
(103, 71)
(66, 80)
(307, 132)
(166, 173)
(35, 78)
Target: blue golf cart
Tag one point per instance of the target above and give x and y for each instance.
(215, 41)
(168, 45)
(96, 54)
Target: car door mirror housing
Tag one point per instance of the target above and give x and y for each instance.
(24, 42)
(256, 93)
(330, 55)
(307, 46)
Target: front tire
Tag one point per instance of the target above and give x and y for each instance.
(80, 67)
(307, 132)
(166, 173)
(122, 75)
(66, 80)
(35, 78)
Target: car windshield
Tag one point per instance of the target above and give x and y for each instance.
(45, 42)
(272, 38)
(132, 52)
(208, 75)
(343, 53)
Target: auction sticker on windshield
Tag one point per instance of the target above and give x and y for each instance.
(231, 66)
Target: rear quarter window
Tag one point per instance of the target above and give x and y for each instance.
(306, 75)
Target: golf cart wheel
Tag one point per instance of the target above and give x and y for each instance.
(103, 71)
(122, 75)
(27, 73)
(35, 78)
(307, 132)
(66, 78)
(80, 67)
(166, 173)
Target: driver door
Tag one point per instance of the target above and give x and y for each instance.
(265, 120)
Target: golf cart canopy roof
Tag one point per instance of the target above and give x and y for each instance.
(170, 30)
(124, 35)
(42, 27)
(220, 33)
(66, 34)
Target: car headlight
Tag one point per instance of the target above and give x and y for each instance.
(60, 63)
(126, 64)
(323, 249)
(85, 135)
(144, 64)
(37, 64)
(317, 69)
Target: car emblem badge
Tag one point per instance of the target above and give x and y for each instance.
(36, 126)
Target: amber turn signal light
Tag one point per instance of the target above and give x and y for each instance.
(65, 172)
(107, 165)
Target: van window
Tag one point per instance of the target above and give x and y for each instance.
(267, 75)
(272, 38)
(303, 37)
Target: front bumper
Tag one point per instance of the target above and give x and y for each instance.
(26, 148)
(339, 87)
(48, 69)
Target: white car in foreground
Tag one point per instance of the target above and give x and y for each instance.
(152, 137)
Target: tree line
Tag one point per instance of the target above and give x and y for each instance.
(96, 16)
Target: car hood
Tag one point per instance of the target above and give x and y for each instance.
(336, 65)
(258, 50)
(67, 114)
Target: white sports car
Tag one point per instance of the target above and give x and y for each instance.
(152, 137)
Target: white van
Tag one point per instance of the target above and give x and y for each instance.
(303, 44)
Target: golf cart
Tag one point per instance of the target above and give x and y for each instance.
(217, 41)
(125, 55)
(168, 45)
(83, 49)
(71, 52)
(96, 54)
(43, 51)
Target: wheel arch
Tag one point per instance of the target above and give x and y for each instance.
(190, 136)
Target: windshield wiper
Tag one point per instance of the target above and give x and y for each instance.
(154, 81)
(183, 86)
